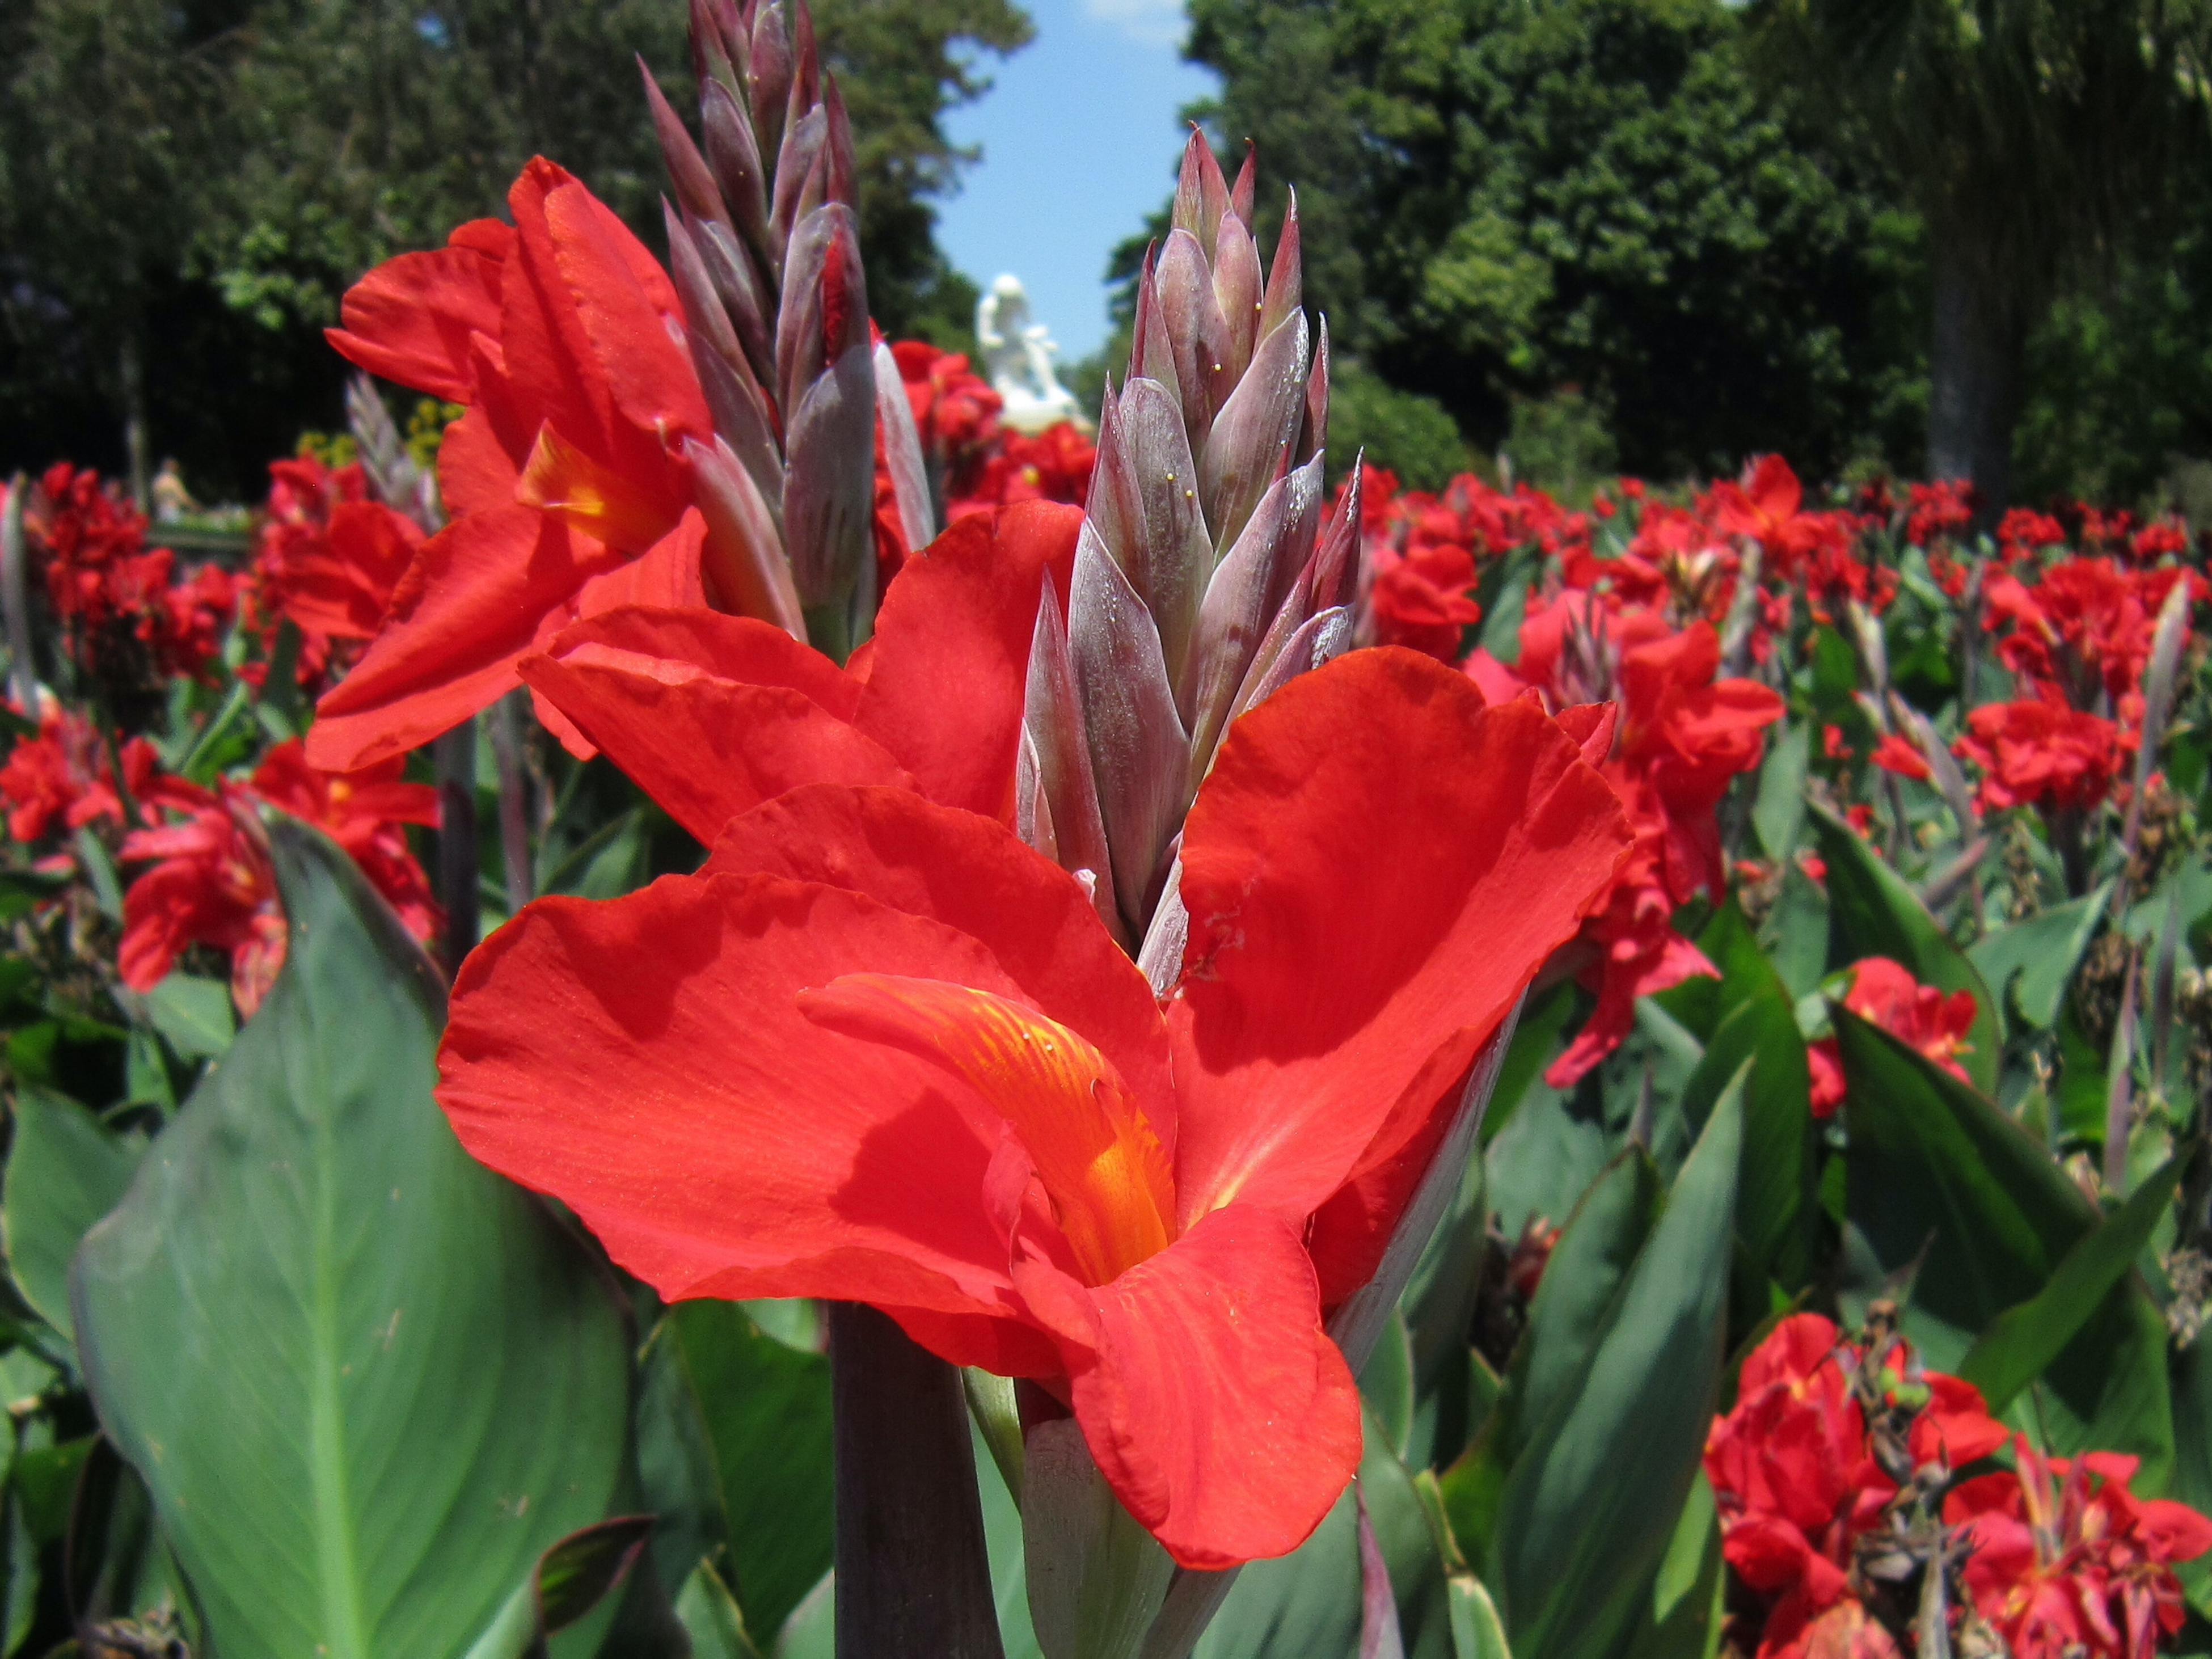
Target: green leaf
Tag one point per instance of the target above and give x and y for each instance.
(1571, 1562)
(2022, 1340)
(65, 1172)
(712, 1619)
(1777, 1201)
(1574, 1301)
(1387, 1383)
(735, 1440)
(194, 1014)
(2036, 957)
(1935, 1168)
(1873, 913)
(570, 1579)
(1795, 933)
(367, 1382)
(1778, 813)
(1477, 1631)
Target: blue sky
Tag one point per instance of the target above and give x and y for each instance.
(1080, 138)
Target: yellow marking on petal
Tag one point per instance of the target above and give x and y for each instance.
(1100, 1163)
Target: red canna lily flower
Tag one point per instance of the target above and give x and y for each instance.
(213, 883)
(2041, 753)
(1420, 598)
(953, 1097)
(1885, 993)
(1893, 754)
(713, 715)
(568, 478)
(2065, 1560)
(1768, 508)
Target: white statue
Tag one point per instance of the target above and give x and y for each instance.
(1018, 356)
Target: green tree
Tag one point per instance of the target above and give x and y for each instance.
(1505, 197)
(187, 191)
(2035, 137)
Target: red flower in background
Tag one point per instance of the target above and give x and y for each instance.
(1421, 599)
(1054, 466)
(1939, 511)
(2041, 753)
(127, 618)
(1798, 1483)
(953, 1097)
(568, 478)
(1768, 508)
(212, 882)
(326, 559)
(1893, 754)
(1671, 741)
(955, 412)
(62, 779)
(1885, 993)
(2064, 1560)
(2083, 629)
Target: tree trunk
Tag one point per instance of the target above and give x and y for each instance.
(913, 1577)
(1975, 372)
(130, 369)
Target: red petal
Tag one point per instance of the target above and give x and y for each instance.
(969, 872)
(645, 1061)
(1092, 1148)
(1222, 1416)
(410, 319)
(475, 473)
(952, 651)
(709, 714)
(461, 618)
(1375, 871)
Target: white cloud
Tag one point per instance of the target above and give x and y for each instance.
(1148, 22)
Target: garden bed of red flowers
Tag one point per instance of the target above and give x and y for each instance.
(759, 1015)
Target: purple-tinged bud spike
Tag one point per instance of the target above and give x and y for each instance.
(707, 318)
(806, 62)
(1139, 754)
(844, 181)
(1032, 811)
(735, 158)
(1053, 742)
(902, 450)
(1201, 193)
(1236, 292)
(825, 308)
(1243, 193)
(830, 486)
(745, 562)
(1165, 553)
(1251, 440)
(1331, 578)
(1248, 589)
(744, 421)
(1313, 429)
(802, 142)
(715, 25)
(737, 280)
(687, 168)
(1286, 277)
(1314, 643)
(1197, 334)
(1152, 353)
(768, 77)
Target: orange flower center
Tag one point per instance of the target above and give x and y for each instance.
(1096, 1157)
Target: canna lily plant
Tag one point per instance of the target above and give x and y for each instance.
(877, 1050)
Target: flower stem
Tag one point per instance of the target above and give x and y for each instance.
(913, 1577)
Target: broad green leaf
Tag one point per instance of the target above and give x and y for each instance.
(2023, 1339)
(1795, 933)
(1477, 1631)
(65, 1170)
(194, 1014)
(1571, 1561)
(1308, 1602)
(734, 1451)
(1387, 1383)
(1535, 1045)
(1778, 813)
(1777, 1202)
(1575, 1299)
(2036, 957)
(711, 1617)
(1686, 1612)
(367, 1382)
(1935, 1167)
(1872, 913)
